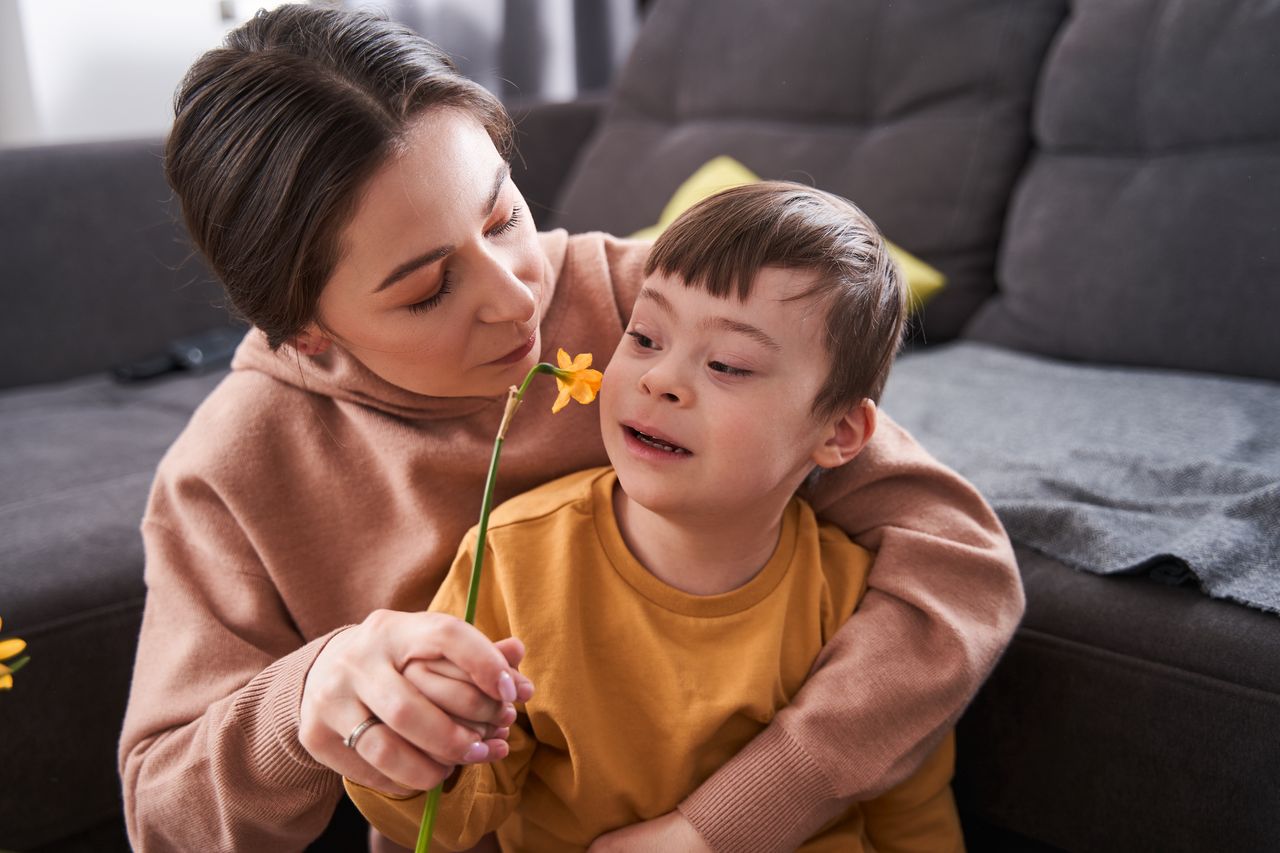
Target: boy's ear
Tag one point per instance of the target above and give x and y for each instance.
(847, 435)
(310, 341)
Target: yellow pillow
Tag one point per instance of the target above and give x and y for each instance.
(923, 281)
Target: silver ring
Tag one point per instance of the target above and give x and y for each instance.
(359, 730)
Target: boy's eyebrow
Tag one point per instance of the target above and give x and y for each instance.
(756, 334)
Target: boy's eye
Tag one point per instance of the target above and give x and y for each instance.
(506, 226)
(642, 341)
(728, 370)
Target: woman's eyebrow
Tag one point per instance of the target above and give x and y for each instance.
(503, 171)
(436, 254)
(413, 264)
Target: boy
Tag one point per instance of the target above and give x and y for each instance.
(674, 602)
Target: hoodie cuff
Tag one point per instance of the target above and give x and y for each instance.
(764, 799)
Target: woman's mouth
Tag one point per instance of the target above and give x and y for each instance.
(519, 352)
(650, 444)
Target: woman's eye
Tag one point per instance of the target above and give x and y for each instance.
(728, 370)
(508, 225)
(446, 286)
(642, 341)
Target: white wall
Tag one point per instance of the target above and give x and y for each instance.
(73, 70)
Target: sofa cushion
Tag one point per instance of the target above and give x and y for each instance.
(90, 230)
(721, 173)
(1144, 231)
(916, 111)
(78, 463)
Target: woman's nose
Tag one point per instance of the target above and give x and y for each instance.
(508, 298)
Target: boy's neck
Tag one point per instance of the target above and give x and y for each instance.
(700, 555)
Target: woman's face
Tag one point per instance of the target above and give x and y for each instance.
(439, 285)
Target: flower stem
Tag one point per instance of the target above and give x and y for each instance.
(514, 398)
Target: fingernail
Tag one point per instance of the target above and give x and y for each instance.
(477, 752)
(508, 715)
(506, 687)
(502, 733)
(526, 689)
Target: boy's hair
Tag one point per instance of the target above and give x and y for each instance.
(721, 243)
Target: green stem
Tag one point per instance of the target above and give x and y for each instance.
(433, 797)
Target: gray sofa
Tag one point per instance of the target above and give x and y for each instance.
(1099, 181)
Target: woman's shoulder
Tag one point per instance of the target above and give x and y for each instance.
(235, 430)
(597, 277)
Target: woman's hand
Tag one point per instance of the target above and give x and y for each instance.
(442, 693)
(663, 834)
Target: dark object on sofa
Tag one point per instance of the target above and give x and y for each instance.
(1098, 182)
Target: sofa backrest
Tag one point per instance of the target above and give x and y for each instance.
(916, 110)
(97, 268)
(1146, 230)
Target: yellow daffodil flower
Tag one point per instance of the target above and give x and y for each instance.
(9, 649)
(575, 379)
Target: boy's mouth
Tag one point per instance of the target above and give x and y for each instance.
(656, 442)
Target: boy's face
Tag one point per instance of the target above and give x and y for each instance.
(706, 405)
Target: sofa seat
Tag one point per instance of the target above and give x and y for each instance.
(78, 461)
(1127, 716)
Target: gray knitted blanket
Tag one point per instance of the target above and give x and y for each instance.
(1110, 469)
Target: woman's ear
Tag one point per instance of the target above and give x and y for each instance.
(847, 435)
(310, 341)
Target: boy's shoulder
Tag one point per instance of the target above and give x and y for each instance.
(572, 494)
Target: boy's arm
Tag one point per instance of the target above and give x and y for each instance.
(481, 796)
(943, 599)
(478, 800)
(919, 815)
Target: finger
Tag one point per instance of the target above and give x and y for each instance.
(412, 717)
(393, 758)
(456, 695)
(464, 645)
(512, 649)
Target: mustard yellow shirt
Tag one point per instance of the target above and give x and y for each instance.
(644, 690)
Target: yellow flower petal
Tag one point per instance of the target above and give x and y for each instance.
(10, 648)
(6, 682)
(563, 360)
(566, 390)
(586, 386)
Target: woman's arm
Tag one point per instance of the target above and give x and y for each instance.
(944, 597)
(209, 755)
(213, 752)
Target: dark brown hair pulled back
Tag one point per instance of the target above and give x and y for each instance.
(275, 133)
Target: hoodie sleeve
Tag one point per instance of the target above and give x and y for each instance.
(209, 757)
(944, 597)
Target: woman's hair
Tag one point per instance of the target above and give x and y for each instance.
(721, 243)
(276, 132)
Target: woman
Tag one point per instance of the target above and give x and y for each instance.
(352, 193)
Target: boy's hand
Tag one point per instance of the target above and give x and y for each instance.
(663, 834)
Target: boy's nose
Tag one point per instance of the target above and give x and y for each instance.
(664, 381)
